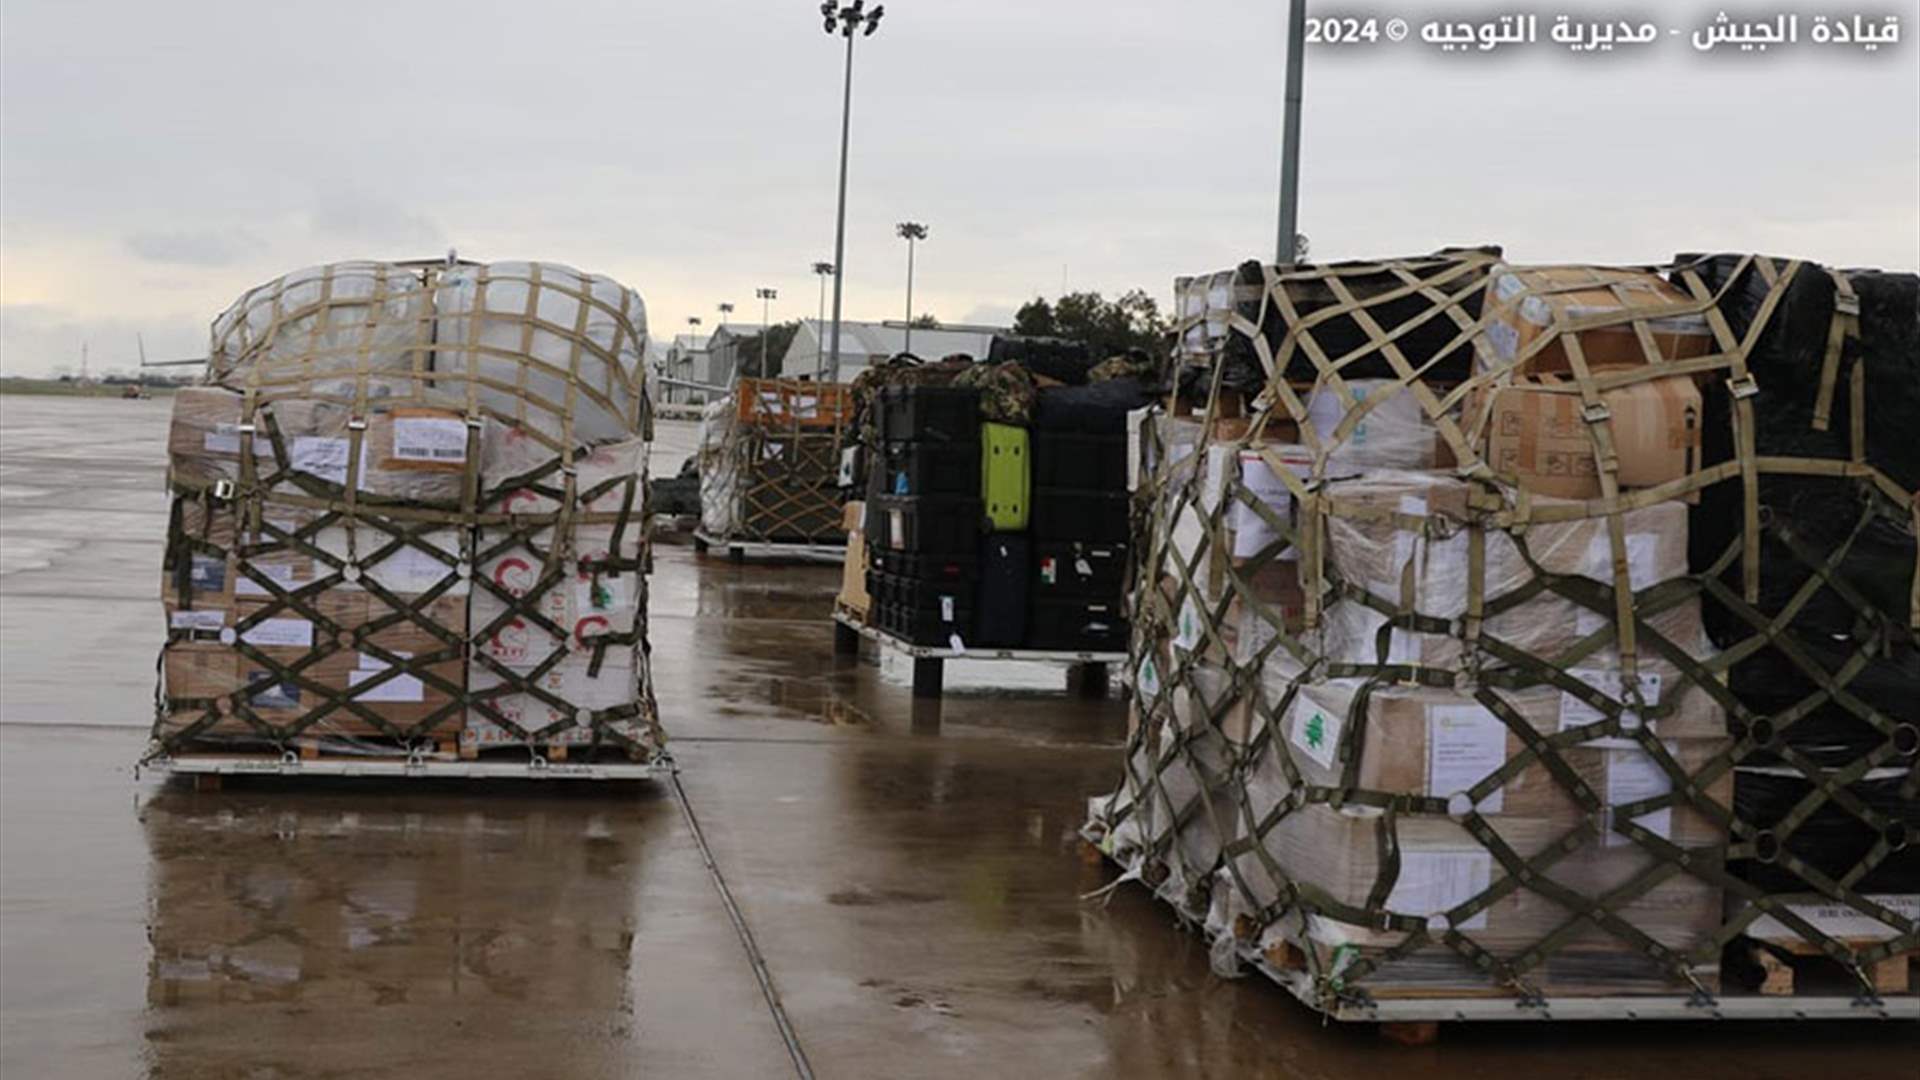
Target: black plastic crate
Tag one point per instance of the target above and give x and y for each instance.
(1076, 624)
(1001, 602)
(1069, 514)
(1074, 568)
(929, 468)
(918, 592)
(929, 414)
(951, 566)
(931, 625)
(923, 524)
(1069, 459)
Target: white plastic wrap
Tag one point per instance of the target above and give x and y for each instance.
(1375, 555)
(719, 472)
(1395, 433)
(588, 335)
(324, 323)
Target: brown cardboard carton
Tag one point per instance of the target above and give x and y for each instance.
(1523, 304)
(1537, 435)
(1429, 742)
(853, 574)
(1426, 549)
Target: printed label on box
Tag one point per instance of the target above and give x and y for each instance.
(1577, 713)
(247, 582)
(263, 692)
(432, 439)
(1841, 920)
(1433, 882)
(206, 573)
(1316, 731)
(399, 688)
(1634, 775)
(208, 619)
(1148, 681)
(280, 633)
(1464, 744)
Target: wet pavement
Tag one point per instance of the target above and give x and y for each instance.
(912, 875)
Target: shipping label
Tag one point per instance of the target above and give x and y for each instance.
(1632, 776)
(280, 633)
(1433, 882)
(1316, 731)
(429, 440)
(1464, 744)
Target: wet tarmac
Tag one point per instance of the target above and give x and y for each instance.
(912, 876)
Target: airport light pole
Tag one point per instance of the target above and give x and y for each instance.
(844, 21)
(726, 309)
(910, 231)
(1288, 248)
(823, 270)
(767, 297)
(693, 339)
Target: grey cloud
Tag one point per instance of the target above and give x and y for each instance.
(355, 215)
(194, 247)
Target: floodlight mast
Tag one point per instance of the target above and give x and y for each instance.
(1288, 251)
(823, 270)
(844, 20)
(766, 297)
(910, 231)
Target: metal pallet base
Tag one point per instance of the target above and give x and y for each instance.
(938, 652)
(1650, 1007)
(1087, 671)
(420, 768)
(774, 550)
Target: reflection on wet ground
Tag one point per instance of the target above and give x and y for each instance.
(911, 871)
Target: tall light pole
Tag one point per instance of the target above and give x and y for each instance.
(823, 270)
(1290, 138)
(910, 231)
(693, 340)
(844, 21)
(726, 309)
(767, 297)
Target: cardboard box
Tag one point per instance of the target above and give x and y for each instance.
(615, 685)
(407, 451)
(1538, 437)
(584, 606)
(853, 574)
(1431, 540)
(1429, 742)
(1524, 304)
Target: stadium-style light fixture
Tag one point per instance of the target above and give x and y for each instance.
(910, 231)
(767, 297)
(844, 20)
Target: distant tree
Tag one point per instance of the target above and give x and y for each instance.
(779, 338)
(1109, 327)
(1034, 319)
(926, 322)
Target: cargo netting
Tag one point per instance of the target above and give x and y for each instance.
(409, 517)
(770, 462)
(1532, 631)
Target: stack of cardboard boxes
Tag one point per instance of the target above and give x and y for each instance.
(1385, 729)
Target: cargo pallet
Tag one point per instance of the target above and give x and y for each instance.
(1416, 1019)
(1087, 672)
(209, 767)
(429, 759)
(740, 549)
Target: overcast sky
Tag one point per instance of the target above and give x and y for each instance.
(159, 157)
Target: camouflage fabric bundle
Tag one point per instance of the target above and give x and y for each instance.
(905, 369)
(1133, 364)
(1007, 391)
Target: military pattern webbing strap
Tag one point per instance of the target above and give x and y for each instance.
(1212, 776)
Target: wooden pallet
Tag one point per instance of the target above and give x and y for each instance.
(1789, 964)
